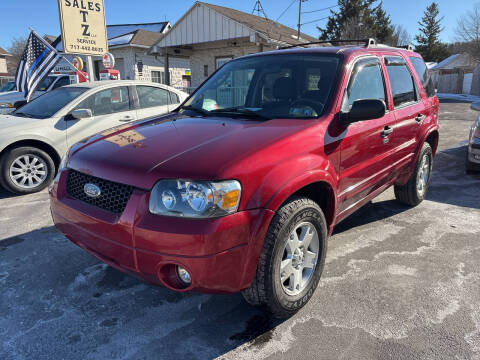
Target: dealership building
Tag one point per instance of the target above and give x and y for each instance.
(210, 35)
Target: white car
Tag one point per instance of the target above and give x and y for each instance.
(51, 82)
(34, 138)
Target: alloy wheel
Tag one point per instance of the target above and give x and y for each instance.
(299, 259)
(423, 175)
(28, 171)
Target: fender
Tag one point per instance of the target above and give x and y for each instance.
(404, 178)
(30, 137)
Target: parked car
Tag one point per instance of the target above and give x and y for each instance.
(34, 137)
(51, 82)
(239, 188)
(473, 148)
(8, 86)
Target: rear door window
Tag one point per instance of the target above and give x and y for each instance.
(149, 96)
(424, 75)
(366, 82)
(401, 81)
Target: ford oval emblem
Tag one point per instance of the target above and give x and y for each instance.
(92, 190)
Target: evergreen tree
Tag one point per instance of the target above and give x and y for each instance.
(429, 44)
(357, 19)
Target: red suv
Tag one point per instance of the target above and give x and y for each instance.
(239, 188)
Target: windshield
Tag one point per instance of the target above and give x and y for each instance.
(45, 84)
(271, 86)
(47, 105)
(8, 86)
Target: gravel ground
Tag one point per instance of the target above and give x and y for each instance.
(399, 283)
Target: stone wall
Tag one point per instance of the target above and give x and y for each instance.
(129, 58)
(203, 59)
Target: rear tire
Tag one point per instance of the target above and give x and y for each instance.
(291, 260)
(415, 190)
(30, 165)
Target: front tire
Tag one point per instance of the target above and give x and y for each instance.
(415, 190)
(292, 259)
(26, 170)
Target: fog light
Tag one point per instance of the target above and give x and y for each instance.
(184, 275)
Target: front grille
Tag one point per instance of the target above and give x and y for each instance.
(113, 197)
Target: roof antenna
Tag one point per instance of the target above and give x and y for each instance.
(258, 8)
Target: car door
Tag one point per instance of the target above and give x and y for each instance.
(364, 157)
(408, 108)
(152, 101)
(110, 107)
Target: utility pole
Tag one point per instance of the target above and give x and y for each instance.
(299, 17)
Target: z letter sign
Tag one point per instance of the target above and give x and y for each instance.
(83, 26)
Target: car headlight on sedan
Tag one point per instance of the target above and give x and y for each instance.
(6, 105)
(195, 199)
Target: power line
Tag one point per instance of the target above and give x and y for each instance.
(327, 8)
(326, 17)
(284, 11)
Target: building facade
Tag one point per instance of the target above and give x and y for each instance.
(210, 35)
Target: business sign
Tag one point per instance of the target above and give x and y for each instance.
(83, 26)
(108, 61)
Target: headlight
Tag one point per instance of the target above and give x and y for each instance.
(6, 105)
(195, 199)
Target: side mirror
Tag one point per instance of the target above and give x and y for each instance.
(475, 106)
(19, 104)
(82, 114)
(367, 109)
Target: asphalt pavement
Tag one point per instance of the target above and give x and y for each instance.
(399, 283)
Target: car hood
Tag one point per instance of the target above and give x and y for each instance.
(11, 121)
(11, 96)
(176, 146)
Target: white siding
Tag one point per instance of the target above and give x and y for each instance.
(202, 24)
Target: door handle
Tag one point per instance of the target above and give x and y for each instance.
(420, 118)
(387, 131)
(126, 118)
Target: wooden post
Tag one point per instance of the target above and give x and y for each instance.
(167, 69)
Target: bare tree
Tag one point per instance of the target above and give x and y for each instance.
(16, 49)
(468, 31)
(400, 36)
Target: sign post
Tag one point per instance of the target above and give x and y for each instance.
(83, 29)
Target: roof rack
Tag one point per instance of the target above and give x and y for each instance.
(365, 42)
(408, 47)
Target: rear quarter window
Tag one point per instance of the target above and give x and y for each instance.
(424, 75)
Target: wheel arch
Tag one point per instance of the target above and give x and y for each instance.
(49, 149)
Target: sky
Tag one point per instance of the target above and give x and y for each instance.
(42, 15)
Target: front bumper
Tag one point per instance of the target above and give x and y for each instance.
(220, 254)
(473, 157)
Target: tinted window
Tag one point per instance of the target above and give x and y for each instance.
(174, 99)
(424, 75)
(47, 105)
(403, 86)
(272, 86)
(62, 82)
(366, 82)
(107, 101)
(45, 84)
(149, 96)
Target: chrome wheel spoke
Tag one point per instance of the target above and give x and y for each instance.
(286, 269)
(28, 171)
(296, 280)
(306, 235)
(310, 260)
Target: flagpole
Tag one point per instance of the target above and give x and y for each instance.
(51, 47)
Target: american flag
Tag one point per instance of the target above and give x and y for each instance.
(37, 61)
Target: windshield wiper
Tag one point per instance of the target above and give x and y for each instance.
(23, 114)
(241, 111)
(198, 110)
